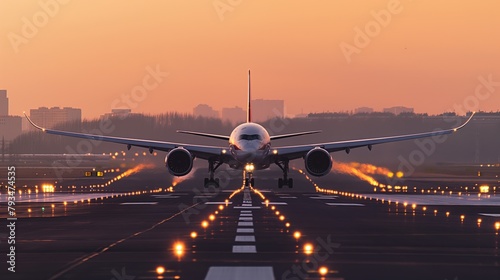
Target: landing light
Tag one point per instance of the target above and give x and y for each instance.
(297, 234)
(249, 167)
(179, 249)
(323, 270)
(194, 234)
(204, 224)
(160, 270)
(308, 249)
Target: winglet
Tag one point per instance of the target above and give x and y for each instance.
(33, 124)
(249, 101)
(465, 123)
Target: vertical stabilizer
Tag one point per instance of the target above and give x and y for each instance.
(249, 101)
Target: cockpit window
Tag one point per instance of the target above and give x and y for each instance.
(250, 137)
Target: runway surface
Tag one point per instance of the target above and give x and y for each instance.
(262, 233)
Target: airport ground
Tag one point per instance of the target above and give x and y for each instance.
(143, 227)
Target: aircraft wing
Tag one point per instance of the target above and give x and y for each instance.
(203, 152)
(294, 152)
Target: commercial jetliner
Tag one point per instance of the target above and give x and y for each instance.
(249, 149)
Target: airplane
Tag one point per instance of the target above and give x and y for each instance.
(249, 149)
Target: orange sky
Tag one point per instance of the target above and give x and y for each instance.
(92, 54)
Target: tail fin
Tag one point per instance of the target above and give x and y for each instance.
(249, 101)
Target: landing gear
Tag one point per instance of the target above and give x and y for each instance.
(211, 181)
(285, 181)
(249, 181)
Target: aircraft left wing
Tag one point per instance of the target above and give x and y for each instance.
(294, 152)
(203, 152)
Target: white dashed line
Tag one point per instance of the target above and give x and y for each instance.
(244, 230)
(245, 224)
(244, 238)
(276, 203)
(246, 218)
(217, 203)
(344, 204)
(240, 272)
(138, 203)
(244, 249)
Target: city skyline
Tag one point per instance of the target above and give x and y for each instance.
(331, 56)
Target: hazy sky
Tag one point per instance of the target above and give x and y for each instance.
(97, 55)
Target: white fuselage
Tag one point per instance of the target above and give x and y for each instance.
(249, 143)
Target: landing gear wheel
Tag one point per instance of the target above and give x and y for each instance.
(247, 182)
(290, 183)
(280, 183)
(252, 182)
(211, 182)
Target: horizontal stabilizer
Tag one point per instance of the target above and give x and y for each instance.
(216, 136)
(275, 137)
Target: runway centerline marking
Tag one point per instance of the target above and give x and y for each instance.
(245, 230)
(240, 272)
(245, 238)
(244, 249)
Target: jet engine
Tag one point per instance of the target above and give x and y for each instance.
(318, 162)
(179, 162)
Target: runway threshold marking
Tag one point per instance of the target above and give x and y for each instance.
(240, 272)
(83, 259)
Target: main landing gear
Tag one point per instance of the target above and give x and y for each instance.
(285, 181)
(211, 181)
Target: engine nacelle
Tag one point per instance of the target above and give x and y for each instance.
(179, 162)
(318, 162)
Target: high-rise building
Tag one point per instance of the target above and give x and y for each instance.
(263, 110)
(235, 115)
(203, 110)
(398, 110)
(4, 103)
(48, 118)
(10, 127)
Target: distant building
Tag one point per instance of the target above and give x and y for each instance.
(203, 110)
(48, 118)
(363, 110)
(10, 127)
(4, 103)
(263, 110)
(235, 115)
(398, 110)
(121, 113)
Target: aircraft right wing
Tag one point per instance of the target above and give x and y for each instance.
(294, 152)
(199, 151)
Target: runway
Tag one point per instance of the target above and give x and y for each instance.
(261, 233)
